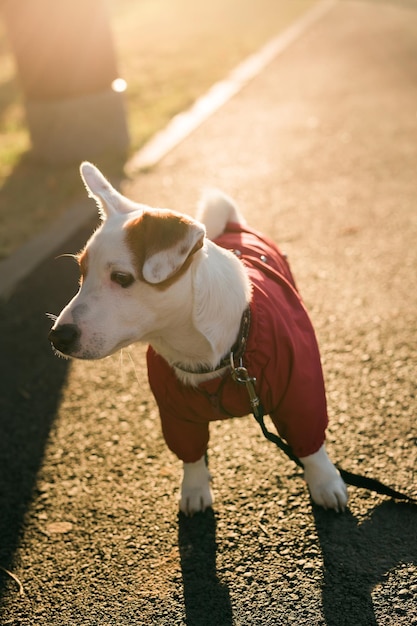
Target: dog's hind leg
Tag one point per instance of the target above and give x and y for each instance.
(215, 210)
(196, 494)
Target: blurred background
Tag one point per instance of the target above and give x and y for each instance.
(95, 79)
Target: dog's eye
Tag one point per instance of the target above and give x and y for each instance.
(122, 279)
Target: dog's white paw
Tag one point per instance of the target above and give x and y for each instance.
(324, 481)
(196, 494)
(330, 494)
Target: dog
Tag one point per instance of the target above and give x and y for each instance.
(207, 295)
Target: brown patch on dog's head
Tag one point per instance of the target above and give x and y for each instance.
(162, 244)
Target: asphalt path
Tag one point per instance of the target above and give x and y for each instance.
(320, 152)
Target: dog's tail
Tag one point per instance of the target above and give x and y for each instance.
(215, 210)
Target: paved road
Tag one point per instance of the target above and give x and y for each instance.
(320, 150)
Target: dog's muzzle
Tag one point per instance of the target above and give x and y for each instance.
(65, 338)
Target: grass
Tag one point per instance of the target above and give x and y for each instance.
(169, 52)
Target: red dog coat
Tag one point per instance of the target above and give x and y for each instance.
(281, 353)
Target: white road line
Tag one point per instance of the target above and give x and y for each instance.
(185, 123)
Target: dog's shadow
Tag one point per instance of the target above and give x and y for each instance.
(206, 599)
(357, 557)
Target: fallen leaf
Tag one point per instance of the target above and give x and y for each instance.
(59, 527)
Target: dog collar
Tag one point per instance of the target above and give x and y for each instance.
(237, 350)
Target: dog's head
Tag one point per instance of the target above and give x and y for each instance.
(133, 274)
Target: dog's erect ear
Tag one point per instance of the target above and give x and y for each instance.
(163, 242)
(98, 187)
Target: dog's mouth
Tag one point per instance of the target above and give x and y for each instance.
(66, 343)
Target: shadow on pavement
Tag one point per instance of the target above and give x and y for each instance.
(40, 192)
(30, 389)
(359, 556)
(207, 600)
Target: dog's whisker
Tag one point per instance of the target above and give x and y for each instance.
(52, 317)
(69, 255)
(121, 366)
(134, 366)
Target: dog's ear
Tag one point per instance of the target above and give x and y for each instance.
(177, 239)
(163, 243)
(98, 187)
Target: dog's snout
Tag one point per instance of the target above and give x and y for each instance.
(64, 337)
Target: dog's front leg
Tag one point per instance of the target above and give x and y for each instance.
(324, 481)
(195, 489)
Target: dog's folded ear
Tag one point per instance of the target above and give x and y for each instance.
(163, 243)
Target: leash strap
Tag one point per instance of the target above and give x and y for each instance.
(240, 375)
(355, 480)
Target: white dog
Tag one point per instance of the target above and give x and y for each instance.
(157, 276)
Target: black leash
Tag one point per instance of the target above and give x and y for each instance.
(356, 480)
(240, 375)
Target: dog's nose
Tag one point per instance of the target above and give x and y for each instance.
(64, 337)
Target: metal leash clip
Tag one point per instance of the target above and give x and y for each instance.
(241, 375)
